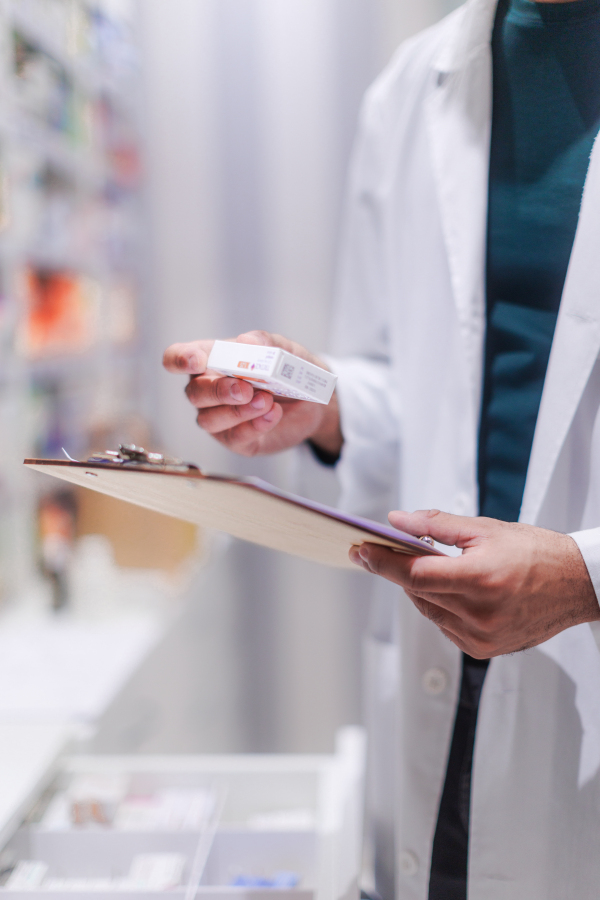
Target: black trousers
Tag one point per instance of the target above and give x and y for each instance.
(449, 859)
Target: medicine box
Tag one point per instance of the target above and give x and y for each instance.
(274, 370)
(264, 827)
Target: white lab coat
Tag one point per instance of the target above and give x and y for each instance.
(409, 353)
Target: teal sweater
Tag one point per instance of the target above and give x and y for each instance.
(546, 113)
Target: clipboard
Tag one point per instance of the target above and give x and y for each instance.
(246, 508)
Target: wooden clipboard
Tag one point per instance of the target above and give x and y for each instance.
(247, 508)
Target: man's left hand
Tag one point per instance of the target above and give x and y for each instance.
(513, 587)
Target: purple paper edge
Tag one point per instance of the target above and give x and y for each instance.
(376, 528)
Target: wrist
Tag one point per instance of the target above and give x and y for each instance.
(327, 436)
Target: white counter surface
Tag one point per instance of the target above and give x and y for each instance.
(28, 756)
(61, 669)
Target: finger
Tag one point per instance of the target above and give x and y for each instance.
(454, 531)
(250, 438)
(421, 574)
(189, 359)
(212, 390)
(355, 558)
(448, 622)
(459, 630)
(451, 608)
(261, 338)
(266, 339)
(453, 633)
(223, 418)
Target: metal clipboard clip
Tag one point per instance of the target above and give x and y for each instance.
(130, 456)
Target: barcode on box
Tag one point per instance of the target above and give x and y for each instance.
(287, 371)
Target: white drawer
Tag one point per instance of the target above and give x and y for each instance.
(277, 814)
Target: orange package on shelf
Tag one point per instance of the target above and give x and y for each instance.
(58, 317)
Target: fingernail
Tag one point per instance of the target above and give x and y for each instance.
(363, 553)
(270, 416)
(193, 361)
(236, 392)
(258, 402)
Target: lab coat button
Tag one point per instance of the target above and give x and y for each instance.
(409, 864)
(435, 681)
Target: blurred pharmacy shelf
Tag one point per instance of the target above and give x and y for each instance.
(70, 251)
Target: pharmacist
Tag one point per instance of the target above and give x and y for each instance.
(467, 352)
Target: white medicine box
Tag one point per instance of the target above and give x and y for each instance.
(273, 369)
(266, 827)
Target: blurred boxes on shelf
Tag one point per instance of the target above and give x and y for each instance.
(61, 313)
(70, 253)
(139, 537)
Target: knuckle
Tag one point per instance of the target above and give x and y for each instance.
(415, 580)
(480, 646)
(229, 438)
(488, 623)
(430, 611)
(374, 562)
(237, 412)
(235, 440)
(204, 421)
(215, 389)
(192, 388)
(246, 448)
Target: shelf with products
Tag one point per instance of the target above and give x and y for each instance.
(93, 42)
(69, 247)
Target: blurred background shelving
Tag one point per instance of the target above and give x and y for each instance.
(70, 254)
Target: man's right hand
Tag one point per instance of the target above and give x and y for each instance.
(250, 421)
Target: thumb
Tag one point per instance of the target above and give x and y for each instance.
(454, 531)
(189, 359)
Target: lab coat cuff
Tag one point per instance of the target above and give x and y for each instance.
(367, 468)
(589, 544)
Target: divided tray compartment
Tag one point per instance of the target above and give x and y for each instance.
(276, 814)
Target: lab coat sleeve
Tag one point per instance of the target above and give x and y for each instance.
(589, 544)
(368, 464)
(369, 404)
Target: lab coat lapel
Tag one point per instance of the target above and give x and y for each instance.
(459, 121)
(574, 350)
